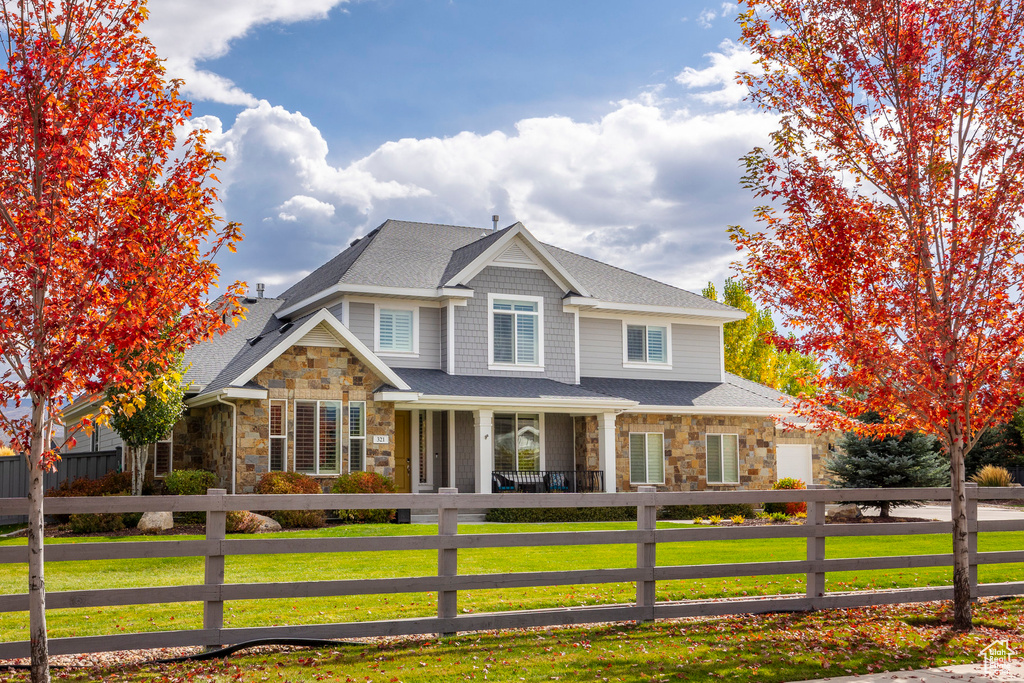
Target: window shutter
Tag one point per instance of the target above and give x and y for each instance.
(730, 459)
(328, 438)
(637, 458)
(655, 458)
(656, 351)
(526, 339)
(714, 458)
(387, 331)
(503, 338)
(162, 459)
(635, 343)
(403, 330)
(305, 437)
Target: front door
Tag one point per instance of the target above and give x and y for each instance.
(403, 468)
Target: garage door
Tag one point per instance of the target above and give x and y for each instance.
(794, 460)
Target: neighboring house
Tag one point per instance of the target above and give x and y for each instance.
(484, 360)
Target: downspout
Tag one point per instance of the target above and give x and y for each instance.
(234, 438)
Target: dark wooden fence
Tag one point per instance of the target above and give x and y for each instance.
(71, 466)
(1017, 473)
(448, 542)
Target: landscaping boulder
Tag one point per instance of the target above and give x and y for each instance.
(266, 524)
(844, 513)
(156, 521)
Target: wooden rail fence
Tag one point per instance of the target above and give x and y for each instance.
(448, 542)
(71, 466)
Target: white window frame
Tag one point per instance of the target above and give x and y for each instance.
(707, 455)
(316, 437)
(647, 365)
(647, 474)
(397, 306)
(169, 440)
(491, 365)
(271, 436)
(542, 466)
(348, 451)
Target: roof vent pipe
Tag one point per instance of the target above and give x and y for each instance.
(260, 287)
(494, 219)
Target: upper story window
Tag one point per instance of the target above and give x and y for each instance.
(646, 344)
(396, 329)
(516, 331)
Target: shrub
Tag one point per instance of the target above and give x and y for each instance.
(191, 483)
(715, 519)
(992, 475)
(364, 482)
(738, 519)
(274, 483)
(778, 517)
(691, 511)
(528, 515)
(110, 484)
(95, 523)
(788, 509)
(698, 520)
(242, 522)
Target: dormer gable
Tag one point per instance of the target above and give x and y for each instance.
(516, 247)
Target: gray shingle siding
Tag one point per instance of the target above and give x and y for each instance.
(471, 343)
(360, 321)
(465, 471)
(559, 445)
(442, 337)
(696, 352)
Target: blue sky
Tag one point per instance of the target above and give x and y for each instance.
(608, 128)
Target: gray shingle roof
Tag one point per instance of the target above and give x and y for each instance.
(426, 255)
(207, 359)
(735, 392)
(269, 336)
(438, 383)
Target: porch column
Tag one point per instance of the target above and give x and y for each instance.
(483, 421)
(606, 448)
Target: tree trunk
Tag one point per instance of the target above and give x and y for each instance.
(883, 509)
(139, 459)
(961, 558)
(36, 585)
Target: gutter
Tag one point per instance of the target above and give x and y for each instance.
(234, 439)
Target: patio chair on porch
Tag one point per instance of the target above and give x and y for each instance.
(501, 484)
(556, 482)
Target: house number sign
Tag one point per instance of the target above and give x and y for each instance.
(380, 438)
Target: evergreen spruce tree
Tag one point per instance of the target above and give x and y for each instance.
(911, 461)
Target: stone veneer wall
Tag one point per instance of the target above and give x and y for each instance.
(311, 373)
(202, 440)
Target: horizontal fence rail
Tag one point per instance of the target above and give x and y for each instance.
(216, 547)
(71, 466)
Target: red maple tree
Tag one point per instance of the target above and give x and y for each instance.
(108, 226)
(893, 187)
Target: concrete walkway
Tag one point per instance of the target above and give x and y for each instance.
(942, 512)
(1007, 673)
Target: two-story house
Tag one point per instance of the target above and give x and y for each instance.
(486, 360)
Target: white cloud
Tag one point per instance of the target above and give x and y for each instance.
(649, 186)
(720, 75)
(186, 32)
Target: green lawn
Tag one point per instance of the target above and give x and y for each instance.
(243, 569)
(746, 649)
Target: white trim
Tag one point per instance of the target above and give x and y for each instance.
(400, 306)
(271, 436)
(647, 474)
(513, 366)
(344, 288)
(707, 456)
(341, 332)
(450, 333)
(227, 392)
(606, 435)
(548, 404)
(392, 302)
(721, 347)
(429, 444)
(568, 282)
(397, 396)
(483, 440)
(451, 450)
(576, 342)
(600, 305)
(346, 310)
(646, 365)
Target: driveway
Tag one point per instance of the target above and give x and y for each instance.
(942, 512)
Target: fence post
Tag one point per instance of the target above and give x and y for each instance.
(972, 537)
(447, 560)
(646, 558)
(815, 548)
(213, 607)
